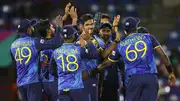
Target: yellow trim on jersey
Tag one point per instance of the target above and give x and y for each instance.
(112, 60)
(157, 46)
(100, 49)
(66, 90)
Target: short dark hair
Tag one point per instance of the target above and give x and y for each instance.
(42, 27)
(132, 30)
(104, 15)
(142, 30)
(86, 17)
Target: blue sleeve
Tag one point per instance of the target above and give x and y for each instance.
(56, 42)
(13, 60)
(114, 56)
(155, 43)
(89, 52)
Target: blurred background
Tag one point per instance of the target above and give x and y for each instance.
(160, 17)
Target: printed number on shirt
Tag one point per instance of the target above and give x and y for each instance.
(70, 63)
(136, 51)
(20, 54)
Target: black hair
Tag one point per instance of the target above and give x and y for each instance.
(142, 30)
(132, 30)
(86, 17)
(19, 30)
(42, 27)
(106, 16)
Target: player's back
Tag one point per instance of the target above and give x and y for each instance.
(68, 60)
(138, 54)
(25, 54)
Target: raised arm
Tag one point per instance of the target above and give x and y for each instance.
(41, 43)
(112, 46)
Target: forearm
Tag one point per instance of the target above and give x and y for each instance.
(65, 17)
(104, 65)
(108, 51)
(165, 59)
(74, 22)
(168, 64)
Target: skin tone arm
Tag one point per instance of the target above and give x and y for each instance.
(74, 16)
(66, 14)
(166, 61)
(108, 51)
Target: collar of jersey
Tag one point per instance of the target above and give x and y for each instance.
(132, 34)
(68, 43)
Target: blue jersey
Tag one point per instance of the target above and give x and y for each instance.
(93, 63)
(25, 54)
(46, 70)
(68, 59)
(137, 52)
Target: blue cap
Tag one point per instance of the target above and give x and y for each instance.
(131, 23)
(25, 24)
(106, 25)
(142, 30)
(68, 31)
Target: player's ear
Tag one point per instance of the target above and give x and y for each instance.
(48, 30)
(29, 31)
(125, 32)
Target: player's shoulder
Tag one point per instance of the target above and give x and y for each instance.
(147, 34)
(15, 41)
(55, 50)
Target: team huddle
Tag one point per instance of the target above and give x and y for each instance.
(68, 62)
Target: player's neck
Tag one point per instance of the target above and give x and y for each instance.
(68, 41)
(48, 36)
(131, 33)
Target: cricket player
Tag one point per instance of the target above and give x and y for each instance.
(48, 76)
(68, 59)
(91, 84)
(49, 81)
(111, 75)
(137, 51)
(24, 51)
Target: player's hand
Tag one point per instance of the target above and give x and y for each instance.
(171, 79)
(116, 21)
(85, 75)
(73, 13)
(118, 37)
(66, 12)
(67, 8)
(82, 42)
(86, 36)
(59, 21)
(44, 64)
